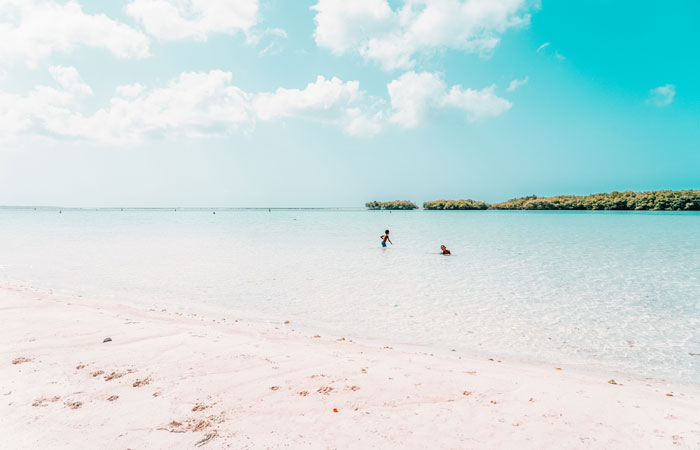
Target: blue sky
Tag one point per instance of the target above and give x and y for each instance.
(333, 103)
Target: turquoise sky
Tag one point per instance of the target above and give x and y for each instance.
(219, 102)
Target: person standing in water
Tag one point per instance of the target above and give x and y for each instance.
(385, 237)
(444, 250)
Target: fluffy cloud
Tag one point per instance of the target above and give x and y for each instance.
(662, 95)
(31, 30)
(392, 37)
(192, 105)
(515, 84)
(43, 104)
(478, 104)
(193, 19)
(342, 25)
(328, 101)
(209, 104)
(316, 99)
(414, 94)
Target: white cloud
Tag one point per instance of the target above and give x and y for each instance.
(515, 84)
(209, 104)
(31, 30)
(543, 46)
(70, 80)
(662, 95)
(328, 101)
(414, 94)
(478, 104)
(193, 105)
(363, 124)
(42, 105)
(341, 25)
(194, 19)
(393, 37)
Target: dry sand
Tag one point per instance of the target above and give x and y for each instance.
(172, 381)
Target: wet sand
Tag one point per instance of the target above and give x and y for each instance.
(169, 380)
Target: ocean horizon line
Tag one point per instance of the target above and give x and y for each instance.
(183, 208)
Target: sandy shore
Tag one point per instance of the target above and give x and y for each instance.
(172, 381)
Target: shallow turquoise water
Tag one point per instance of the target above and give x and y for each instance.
(609, 290)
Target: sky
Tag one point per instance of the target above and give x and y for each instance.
(323, 103)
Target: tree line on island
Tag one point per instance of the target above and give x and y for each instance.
(688, 200)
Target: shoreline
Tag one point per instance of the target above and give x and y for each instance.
(258, 319)
(174, 380)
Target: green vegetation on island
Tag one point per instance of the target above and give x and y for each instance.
(455, 204)
(688, 200)
(396, 204)
(614, 201)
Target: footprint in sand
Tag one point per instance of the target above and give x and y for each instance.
(200, 407)
(142, 382)
(115, 375)
(205, 439)
(325, 390)
(112, 398)
(188, 425)
(21, 360)
(74, 405)
(42, 401)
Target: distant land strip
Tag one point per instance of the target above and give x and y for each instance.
(687, 200)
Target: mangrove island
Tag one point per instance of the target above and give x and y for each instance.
(687, 200)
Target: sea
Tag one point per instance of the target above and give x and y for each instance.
(614, 292)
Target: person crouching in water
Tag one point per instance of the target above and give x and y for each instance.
(444, 250)
(385, 237)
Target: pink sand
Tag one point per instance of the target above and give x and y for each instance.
(180, 381)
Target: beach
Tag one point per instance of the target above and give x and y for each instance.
(168, 379)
